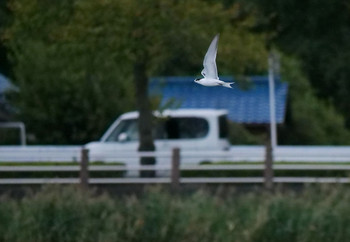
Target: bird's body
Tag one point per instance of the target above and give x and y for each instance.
(210, 72)
(210, 82)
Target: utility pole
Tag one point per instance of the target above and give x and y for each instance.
(271, 141)
(273, 128)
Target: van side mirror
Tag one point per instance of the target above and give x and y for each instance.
(122, 137)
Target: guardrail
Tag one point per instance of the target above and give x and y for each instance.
(38, 153)
(66, 153)
(173, 167)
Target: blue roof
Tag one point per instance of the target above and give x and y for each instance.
(249, 105)
(5, 84)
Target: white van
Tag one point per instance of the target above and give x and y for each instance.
(191, 130)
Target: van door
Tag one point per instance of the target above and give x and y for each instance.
(183, 132)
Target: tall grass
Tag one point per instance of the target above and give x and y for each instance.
(64, 213)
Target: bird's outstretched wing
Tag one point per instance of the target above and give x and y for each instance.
(209, 62)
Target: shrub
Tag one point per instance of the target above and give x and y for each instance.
(65, 213)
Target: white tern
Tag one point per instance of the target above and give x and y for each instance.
(210, 72)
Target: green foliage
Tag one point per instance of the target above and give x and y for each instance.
(64, 213)
(311, 120)
(9, 136)
(316, 32)
(66, 70)
(238, 135)
(74, 60)
(4, 19)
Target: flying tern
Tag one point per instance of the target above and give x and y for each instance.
(210, 72)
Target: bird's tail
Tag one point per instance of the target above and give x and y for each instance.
(228, 84)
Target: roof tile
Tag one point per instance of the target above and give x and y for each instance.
(248, 105)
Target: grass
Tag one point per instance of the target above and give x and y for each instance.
(55, 163)
(278, 173)
(206, 173)
(276, 163)
(57, 174)
(64, 213)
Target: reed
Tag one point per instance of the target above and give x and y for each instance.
(65, 213)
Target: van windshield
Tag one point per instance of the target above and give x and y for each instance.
(165, 128)
(126, 130)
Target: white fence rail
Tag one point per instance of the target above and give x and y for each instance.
(313, 153)
(39, 153)
(236, 153)
(156, 180)
(238, 167)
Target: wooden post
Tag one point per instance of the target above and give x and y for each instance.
(84, 168)
(268, 171)
(175, 169)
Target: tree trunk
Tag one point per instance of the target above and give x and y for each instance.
(145, 122)
(268, 170)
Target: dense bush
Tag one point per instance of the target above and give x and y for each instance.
(64, 213)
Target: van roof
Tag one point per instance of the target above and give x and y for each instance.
(180, 113)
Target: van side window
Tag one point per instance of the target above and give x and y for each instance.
(223, 127)
(185, 128)
(170, 128)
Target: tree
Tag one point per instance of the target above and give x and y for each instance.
(75, 61)
(4, 20)
(315, 32)
(166, 33)
(310, 120)
(70, 89)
